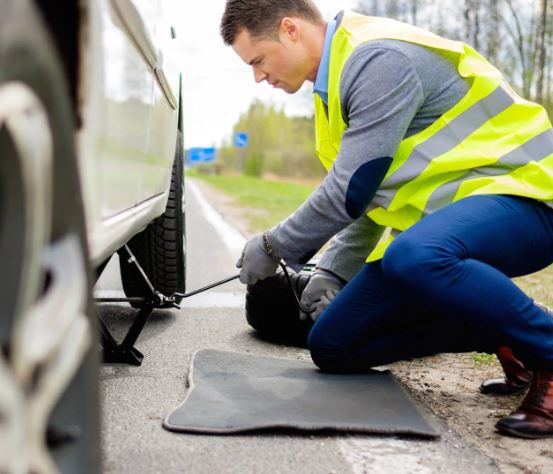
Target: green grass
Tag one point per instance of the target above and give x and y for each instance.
(480, 358)
(268, 201)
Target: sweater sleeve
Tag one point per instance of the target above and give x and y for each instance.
(348, 250)
(381, 93)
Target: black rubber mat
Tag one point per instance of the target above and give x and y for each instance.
(231, 392)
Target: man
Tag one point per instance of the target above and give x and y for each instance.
(437, 171)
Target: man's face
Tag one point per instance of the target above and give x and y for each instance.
(279, 62)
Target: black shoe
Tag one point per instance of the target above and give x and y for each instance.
(517, 377)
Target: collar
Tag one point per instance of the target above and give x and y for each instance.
(321, 82)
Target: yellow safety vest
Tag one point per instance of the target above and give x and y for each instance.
(491, 142)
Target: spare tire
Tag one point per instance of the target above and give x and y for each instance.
(272, 309)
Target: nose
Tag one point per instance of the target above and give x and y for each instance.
(258, 74)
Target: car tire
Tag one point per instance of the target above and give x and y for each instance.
(49, 361)
(272, 309)
(160, 249)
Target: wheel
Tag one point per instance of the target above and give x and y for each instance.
(160, 249)
(48, 368)
(272, 310)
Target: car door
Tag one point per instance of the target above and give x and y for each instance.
(153, 29)
(147, 27)
(128, 101)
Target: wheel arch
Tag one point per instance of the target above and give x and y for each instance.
(63, 20)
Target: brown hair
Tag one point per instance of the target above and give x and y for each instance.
(261, 18)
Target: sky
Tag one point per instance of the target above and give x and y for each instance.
(217, 85)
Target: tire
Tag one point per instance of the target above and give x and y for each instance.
(272, 310)
(161, 248)
(49, 362)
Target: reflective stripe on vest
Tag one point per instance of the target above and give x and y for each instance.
(491, 142)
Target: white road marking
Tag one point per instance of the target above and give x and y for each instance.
(215, 299)
(212, 299)
(232, 238)
(109, 293)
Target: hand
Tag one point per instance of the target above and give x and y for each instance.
(319, 292)
(255, 263)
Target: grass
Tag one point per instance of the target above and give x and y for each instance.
(481, 358)
(271, 201)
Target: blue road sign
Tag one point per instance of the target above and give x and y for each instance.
(202, 155)
(241, 139)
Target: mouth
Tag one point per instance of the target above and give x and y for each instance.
(274, 84)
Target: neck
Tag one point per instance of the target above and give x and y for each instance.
(315, 45)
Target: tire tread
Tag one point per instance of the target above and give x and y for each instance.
(158, 247)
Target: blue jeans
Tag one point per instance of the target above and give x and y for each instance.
(444, 286)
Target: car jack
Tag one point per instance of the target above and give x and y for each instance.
(125, 352)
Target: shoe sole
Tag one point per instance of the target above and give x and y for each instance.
(520, 434)
(503, 394)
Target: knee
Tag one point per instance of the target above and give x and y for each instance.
(333, 358)
(318, 348)
(325, 355)
(329, 363)
(403, 258)
(407, 260)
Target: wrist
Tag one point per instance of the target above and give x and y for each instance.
(268, 246)
(330, 274)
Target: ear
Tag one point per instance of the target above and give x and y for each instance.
(290, 29)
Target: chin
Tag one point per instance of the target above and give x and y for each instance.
(291, 89)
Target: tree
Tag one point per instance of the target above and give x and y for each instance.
(514, 35)
(278, 144)
(414, 10)
(471, 16)
(493, 34)
(541, 50)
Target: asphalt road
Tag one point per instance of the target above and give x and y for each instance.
(135, 399)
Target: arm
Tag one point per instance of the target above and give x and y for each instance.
(339, 264)
(349, 249)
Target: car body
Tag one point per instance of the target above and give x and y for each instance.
(129, 107)
(91, 159)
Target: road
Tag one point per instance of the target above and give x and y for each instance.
(135, 399)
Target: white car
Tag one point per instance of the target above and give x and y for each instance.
(91, 159)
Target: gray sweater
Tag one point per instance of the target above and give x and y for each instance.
(390, 90)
